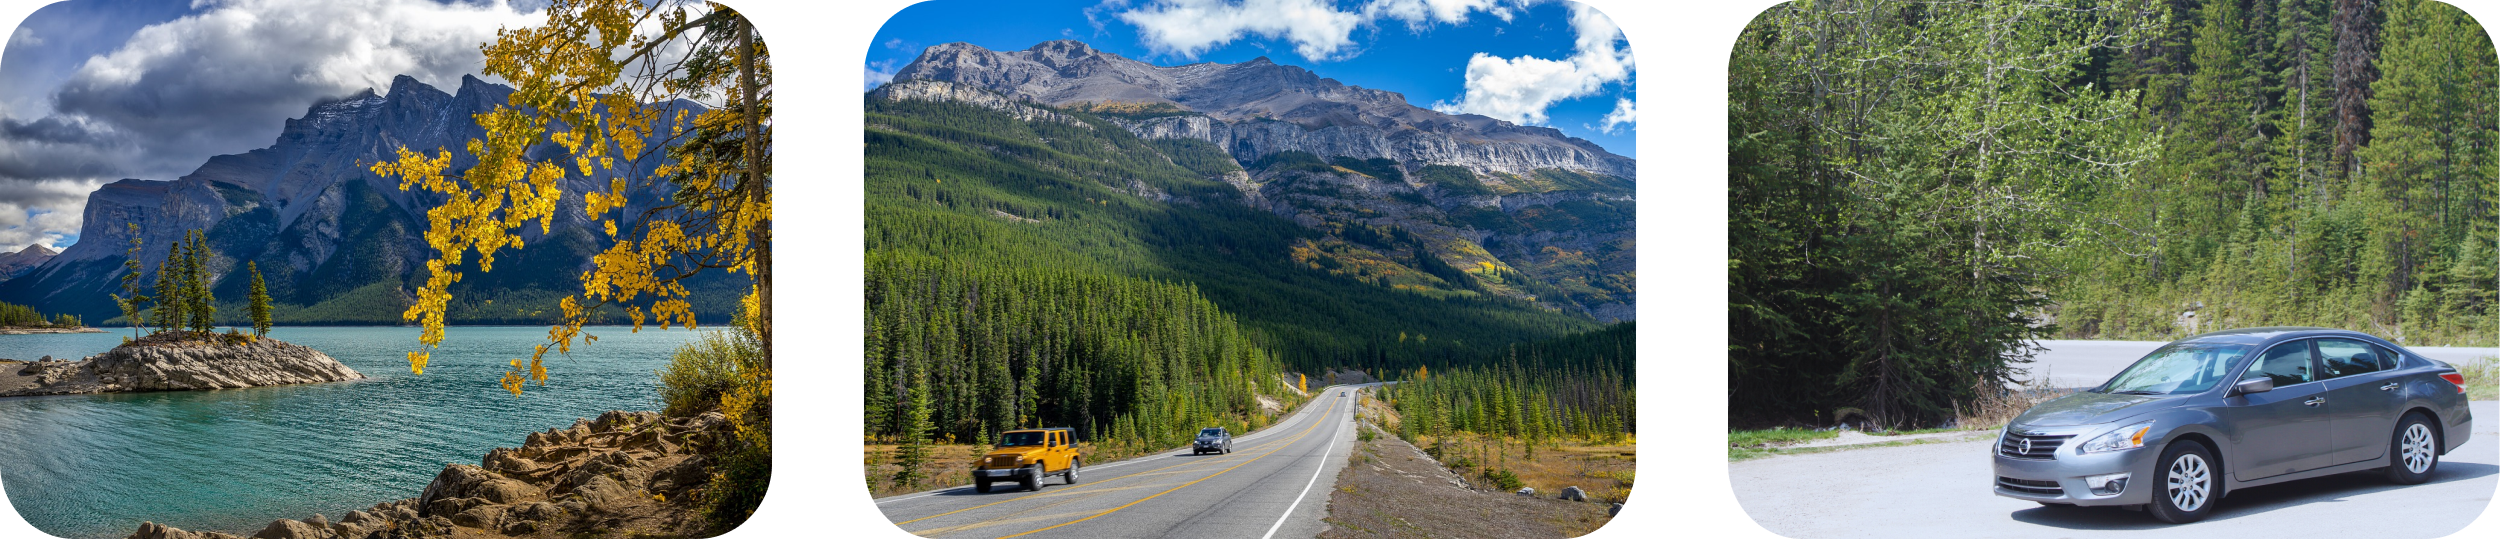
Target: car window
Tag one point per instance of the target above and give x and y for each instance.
(2345, 357)
(2386, 358)
(1014, 439)
(2286, 363)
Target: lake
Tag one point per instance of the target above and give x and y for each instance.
(85, 466)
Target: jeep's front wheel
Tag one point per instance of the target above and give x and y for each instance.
(1073, 466)
(1033, 478)
(981, 486)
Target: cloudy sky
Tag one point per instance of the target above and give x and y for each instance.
(93, 91)
(1540, 62)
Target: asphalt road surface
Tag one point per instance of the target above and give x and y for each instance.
(1274, 484)
(2071, 364)
(1942, 490)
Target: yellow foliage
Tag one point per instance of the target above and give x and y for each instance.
(582, 81)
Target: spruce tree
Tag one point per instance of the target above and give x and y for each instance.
(915, 452)
(203, 309)
(169, 300)
(260, 302)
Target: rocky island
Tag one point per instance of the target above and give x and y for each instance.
(176, 361)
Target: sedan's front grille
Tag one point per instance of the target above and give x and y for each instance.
(2031, 447)
(2028, 486)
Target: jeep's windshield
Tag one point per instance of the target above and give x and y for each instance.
(1211, 432)
(2176, 368)
(1013, 439)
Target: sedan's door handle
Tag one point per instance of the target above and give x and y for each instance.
(2389, 386)
(2314, 401)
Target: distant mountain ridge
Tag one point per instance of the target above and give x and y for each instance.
(322, 226)
(1257, 108)
(18, 263)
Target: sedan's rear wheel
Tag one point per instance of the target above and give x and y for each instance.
(2415, 447)
(2184, 485)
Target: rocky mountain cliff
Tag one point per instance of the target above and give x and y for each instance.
(1400, 197)
(324, 229)
(24, 260)
(1257, 108)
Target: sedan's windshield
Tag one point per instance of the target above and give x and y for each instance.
(2177, 368)
(1211, 432)
(1013, 439)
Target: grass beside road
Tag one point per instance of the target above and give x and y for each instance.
(2482, 378)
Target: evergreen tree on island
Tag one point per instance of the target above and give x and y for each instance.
(130, 301)
(202, 306)
(169, 290)
(260, 302)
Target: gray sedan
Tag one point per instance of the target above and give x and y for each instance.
(2201, 417)
(1212, 440)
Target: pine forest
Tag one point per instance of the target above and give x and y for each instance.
(1917, 190)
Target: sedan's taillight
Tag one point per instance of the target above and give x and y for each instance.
(2454, 378)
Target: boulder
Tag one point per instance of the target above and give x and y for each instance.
(151, 530)
(1573, 493)
(684, 476)
(604, 494)
(1527, 491)
(1611, 511)
(293, 529)
(489, 517)
(359, 517)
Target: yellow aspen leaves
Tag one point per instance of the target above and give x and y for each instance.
(601, 80)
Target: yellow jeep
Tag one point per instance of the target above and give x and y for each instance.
(1028, 456)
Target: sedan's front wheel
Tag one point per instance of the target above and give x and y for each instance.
(2185, 485)
(2416, 450)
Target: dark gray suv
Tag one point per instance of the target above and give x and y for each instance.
(2198, 418)
(1212, 440)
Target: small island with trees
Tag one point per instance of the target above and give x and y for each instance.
(180, 349)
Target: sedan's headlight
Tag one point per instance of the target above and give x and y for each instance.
(2122, 439)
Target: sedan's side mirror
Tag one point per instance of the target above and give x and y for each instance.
(2253, 385)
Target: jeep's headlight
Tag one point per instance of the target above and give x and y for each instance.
(2130, 437)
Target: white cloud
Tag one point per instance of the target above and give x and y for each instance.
(42, 212)
(1626, 112)
(881, 72)
(1188, 27)
(1420, 14)
(24, 36)
(1521, 89)
(1318, 29)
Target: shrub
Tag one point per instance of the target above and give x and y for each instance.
(702, 371)
(1503, 478)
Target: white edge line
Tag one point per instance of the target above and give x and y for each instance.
(1306, 487)
(1271, 531)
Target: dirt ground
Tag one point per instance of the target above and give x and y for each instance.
(1392, 489)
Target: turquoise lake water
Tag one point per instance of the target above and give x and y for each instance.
(94, 466)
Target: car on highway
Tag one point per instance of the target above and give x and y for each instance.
(1027, 457)
(2207, 415)
(1212, 440)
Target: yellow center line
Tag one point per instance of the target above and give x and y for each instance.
(1066, 491)
(1306, 431)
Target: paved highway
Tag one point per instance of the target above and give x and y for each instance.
(1942, 491)
(1274, 484)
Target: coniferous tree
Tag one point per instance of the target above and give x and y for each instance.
(203, 308)
(130, 300)
(170, 300)
(260, 302)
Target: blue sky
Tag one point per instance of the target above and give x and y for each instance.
(1413, 47)
(94, 91)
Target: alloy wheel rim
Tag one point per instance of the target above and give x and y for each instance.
(2417, 448)
(2190, 482)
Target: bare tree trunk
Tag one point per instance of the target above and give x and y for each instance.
(758, 189)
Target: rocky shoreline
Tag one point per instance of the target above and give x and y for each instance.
(172, 363)
(623, 474)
